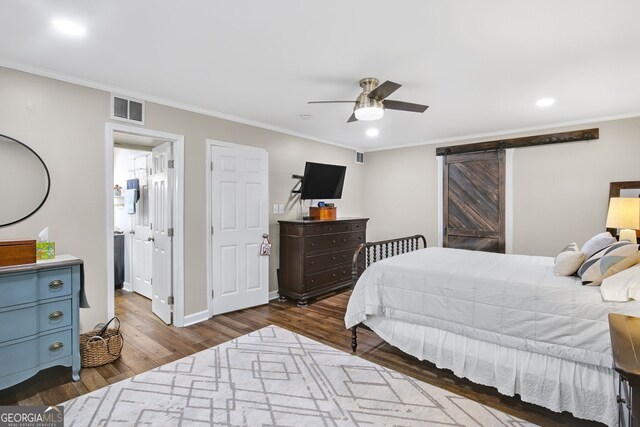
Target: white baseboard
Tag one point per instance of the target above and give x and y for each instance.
(273, 295)
(194, 318)
(127, 286)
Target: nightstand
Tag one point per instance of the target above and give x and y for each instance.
(625, 345)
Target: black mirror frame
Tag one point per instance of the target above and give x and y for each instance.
(46, 196)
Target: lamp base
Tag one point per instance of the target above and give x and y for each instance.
(629, 235)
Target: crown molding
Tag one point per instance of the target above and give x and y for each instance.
(469, 138)
(27, 68)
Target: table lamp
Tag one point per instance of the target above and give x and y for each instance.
(624, 213)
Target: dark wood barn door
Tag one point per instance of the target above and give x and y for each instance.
(473, 201)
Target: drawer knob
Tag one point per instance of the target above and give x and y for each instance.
(313, 244)
(312, 262)
(333, 258)
(56, 284)
(344, 239)
(333, 241)
(333, 275)
(56, 346)
(56, 315)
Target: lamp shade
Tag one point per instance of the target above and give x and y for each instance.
(624, 212)
(369, 113)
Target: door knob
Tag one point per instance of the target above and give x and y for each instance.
(132, 231)
(151, 239)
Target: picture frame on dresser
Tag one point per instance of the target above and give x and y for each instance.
(316, 256)
(39, 318)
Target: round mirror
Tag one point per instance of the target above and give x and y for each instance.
(24, 181)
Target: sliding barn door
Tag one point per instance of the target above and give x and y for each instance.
(473, 201)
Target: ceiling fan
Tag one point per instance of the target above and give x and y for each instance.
(372, 102)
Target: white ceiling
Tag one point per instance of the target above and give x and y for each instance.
(480, 65)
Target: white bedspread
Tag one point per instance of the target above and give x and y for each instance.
(515, 301)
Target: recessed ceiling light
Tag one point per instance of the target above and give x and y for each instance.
(545, 102)
(69, 28)
(373, 132)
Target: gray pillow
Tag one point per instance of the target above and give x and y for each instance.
(596, 243)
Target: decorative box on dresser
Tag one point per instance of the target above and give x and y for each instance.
(316, 256)
(39, 308)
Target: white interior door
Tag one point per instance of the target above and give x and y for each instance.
(142, 245)
(239, 217)
(161, 222)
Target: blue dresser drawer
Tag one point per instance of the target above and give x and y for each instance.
(29, 354)
(27, 321)
(24, 288)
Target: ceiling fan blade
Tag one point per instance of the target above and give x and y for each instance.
(352, 118)
(328, 102)
(404, 106)
(384, 90)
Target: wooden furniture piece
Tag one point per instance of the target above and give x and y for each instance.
(39, 318)
(474, 201)
(625, 344)
(316, 256)
(376, 251)
(17, 252)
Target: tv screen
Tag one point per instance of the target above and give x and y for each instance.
(322, 181)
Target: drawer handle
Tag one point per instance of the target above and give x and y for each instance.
(56, 284)
(313, 244)
(312, 262)
(333, 241)
(56, 346)
(344, 239)
(56, 315)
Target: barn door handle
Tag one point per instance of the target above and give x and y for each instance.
(151, 239)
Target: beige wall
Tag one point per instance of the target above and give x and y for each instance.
(560, 191)
(65, 125)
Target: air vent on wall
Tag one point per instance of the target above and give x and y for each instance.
(127, 109)
(359, 157)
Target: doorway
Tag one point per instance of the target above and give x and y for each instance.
(237, 220)
(145, 187)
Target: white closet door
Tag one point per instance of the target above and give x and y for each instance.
(239, 185)
(142, 246)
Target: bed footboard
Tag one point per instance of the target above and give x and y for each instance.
(370, 252)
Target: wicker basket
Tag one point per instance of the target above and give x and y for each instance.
(102, 345)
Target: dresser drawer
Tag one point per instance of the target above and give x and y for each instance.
(325, 243)
(346, 257)
(351, 240)
(319, 280)
(28, 321)
(29, 354)
(317, 263)
(29, 287)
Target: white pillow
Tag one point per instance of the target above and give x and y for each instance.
(568, 260)
(596, 243)
(622, 286)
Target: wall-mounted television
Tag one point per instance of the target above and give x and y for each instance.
(322, 181)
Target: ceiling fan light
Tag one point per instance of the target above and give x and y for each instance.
(369, 113)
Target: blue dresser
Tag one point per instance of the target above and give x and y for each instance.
(39, 305)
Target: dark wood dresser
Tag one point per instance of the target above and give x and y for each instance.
(625, 344)
(316, 256)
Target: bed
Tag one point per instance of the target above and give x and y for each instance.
(500, 320)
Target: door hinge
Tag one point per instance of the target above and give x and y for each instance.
(211, 293)
(170, 232)
(212, 230)
(170, 164)
(211, 165)
(170, 300)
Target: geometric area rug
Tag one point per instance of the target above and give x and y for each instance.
(274, 377)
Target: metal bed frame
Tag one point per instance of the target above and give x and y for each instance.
(377, 251)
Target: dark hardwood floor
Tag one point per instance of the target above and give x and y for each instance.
(150, 343)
